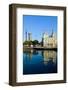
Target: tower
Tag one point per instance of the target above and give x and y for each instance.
(26, 36)
(42, 41)
(29, 36)
(45, 39)
(51, 33)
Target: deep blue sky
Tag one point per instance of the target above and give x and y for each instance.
(37, 25)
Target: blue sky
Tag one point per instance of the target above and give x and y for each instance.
(37, 25)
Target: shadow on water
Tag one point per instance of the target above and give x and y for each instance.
(39, 62)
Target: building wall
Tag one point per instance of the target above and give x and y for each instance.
(49, 41)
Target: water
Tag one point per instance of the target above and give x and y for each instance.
(39, 62)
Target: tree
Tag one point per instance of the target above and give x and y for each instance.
(30, 43)
(35, 42)
(27, 43)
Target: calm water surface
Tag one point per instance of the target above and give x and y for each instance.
(39, 62)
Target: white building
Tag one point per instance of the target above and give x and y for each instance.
(50, 40)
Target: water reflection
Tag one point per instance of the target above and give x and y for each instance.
(30, 53)
(39, 61)
(49, 56)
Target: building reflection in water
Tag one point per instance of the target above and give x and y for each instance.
(39, 61)
(49, 56)
(30, 53)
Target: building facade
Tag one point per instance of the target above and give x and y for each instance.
(50, 40)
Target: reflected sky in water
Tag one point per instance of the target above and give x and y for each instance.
(39, 62)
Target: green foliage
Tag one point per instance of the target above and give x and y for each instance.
(27, 43)
(35, 42)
